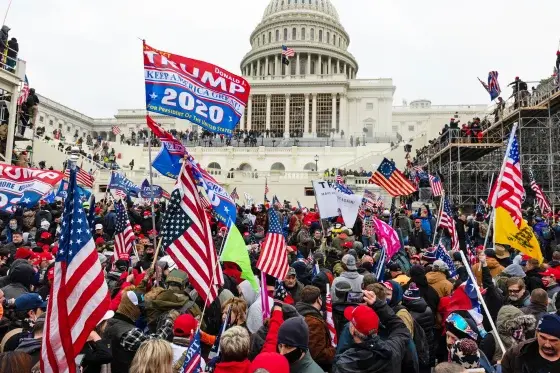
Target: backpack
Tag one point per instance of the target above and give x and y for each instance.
(546, 233)
(422, 346)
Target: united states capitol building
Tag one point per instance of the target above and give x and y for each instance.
(319, 95)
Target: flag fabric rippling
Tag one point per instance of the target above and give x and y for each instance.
(330, 320)
(82, 177)
(446, 221)
(442, 254)
(124, 236)
(437, 187)
(273, 259)
(391, 179)
(193, 358)
(542, 202)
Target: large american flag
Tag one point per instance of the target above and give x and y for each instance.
(510, 185)
(188, 240)
(330, 320)
(82, 177)
(116, 130)
(24, 93)
(79, 296)
(542, 202)
(273, 259)
(437, 187)
(446, 221)
(288, 52)
(392, 180)
(124, 236)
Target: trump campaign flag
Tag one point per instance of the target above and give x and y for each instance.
(148, 190)
(388, 237)
(120, 182)
(63, 191)
(348, 203)
(200, 92)
(24, 186)
(168, 161)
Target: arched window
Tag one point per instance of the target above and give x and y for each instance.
(285, 34)
(302, 33)
(312, 34)
(278, 167)
(270, 37)
(334, 39)
(215, 165)
(320, 35)
(277, 35)
(328, 37)
(294, 33)
(264, 41)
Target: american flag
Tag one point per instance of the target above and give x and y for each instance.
(435, 183)
(330, 320)
(273, 259)
(165, 194)
(24, 93)
(234, 194)
(187, 238)
(446, 221)
(510, 185)
(116, 130)
(204, 201)
(442, 254)
(288, 52)
(192, 360)
(124, 236)
(339, 179)
(493, 85)
(83, 177)
(79, 296)
(367, 202)
(392, 180)
(118, 194)
(266, 190)
(541, 199)
(276, 202)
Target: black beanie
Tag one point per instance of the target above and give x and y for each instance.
(294, 333)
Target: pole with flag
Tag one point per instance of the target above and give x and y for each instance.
(491, 212)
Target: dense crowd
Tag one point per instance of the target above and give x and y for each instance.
(415, 317)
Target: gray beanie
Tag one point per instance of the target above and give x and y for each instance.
(294, 333)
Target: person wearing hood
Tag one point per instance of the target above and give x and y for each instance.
(293, 286)
(20, 278)
(125, 337)
(350, 275)
(293, 343)
(437, 278)
(460, 268)
(533, 278)
(538, 306)
(320, 346)
(97, 351)
(32, 345)
(423, 315)
(368, 353)
(550, 283)
(428, 293)
(492, 263)
(513, 327)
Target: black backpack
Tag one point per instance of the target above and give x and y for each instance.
(422, 346)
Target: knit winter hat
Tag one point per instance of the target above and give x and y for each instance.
(273, 362)
(294, 333)
(465, 353)
(412, 292)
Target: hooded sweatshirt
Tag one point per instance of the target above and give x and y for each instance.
(21, 277)
(493, 265)
(440, 283)
(353, 278)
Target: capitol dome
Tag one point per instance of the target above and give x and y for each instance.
(312, 29)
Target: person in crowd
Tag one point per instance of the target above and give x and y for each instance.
(397, 274)
(437, 278)
(428, 293)
(32, 345)
(423, 315)
(15, 362)
(292, 285)
(549, 282)
(234, 349)
(153, 356)
(28, 309)
(320, 344)
(21, 275)
(350, 275)
(540, 354)
(533, 277)
(538, 304)
(293, 343)
(418, 237)
(518, 295)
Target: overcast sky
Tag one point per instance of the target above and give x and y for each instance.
(86, 54)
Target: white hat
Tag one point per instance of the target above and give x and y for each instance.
(440, 265)
(45, 224)
(108, 315)
(98, 226)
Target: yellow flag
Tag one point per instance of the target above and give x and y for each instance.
(521, 238)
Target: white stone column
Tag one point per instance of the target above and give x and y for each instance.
(329, 67)
(268, 97)
(287, 117)
(297, 64)
(333, 116)
(319, 70)
(242, 121)
(344, 68)
(306, 116)
(276, 65)
(249, 112)
(308, 72)
(338, 66)
(258, 68)
(266, 66)
(344, 122)
(314, 115)
(359, 124)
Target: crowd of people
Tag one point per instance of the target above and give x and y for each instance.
(415, 317)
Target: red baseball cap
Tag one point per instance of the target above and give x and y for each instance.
(137, 227)
(548, 272)
(23, 253)
(45, 235)
(99, 241)
(364, 319)
(184, 325)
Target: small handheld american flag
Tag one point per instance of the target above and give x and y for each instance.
(447, 222)
(124, 236)
(24, 93)
(437, 187)
(542, 202)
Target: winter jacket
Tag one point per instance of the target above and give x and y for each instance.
(428, 293)
(494, 267)
(534, 309)
(373, 354)
(320, 346)
(418, 239)
(254, 315)
(353, 278)
(295, 292)
(32, 347)
(21, 277)
(404, 224)
(116, 328)
(233, 367)
(305, 365)
(96, 354)
(424, 316)
(552, 290)
(440, 283)
(533, 279)
(519, 359)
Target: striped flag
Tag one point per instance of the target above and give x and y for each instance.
(79, 296)
(339, 179)
(330, 320)
(288, 52)
(435, 184)
(542, 202)
(188, 240)
(392, 180)
(442, 254)
(165, 194)
(510, 185)
(118, 194)
(192, 360)
(82, 177)
(116, 130)
(124, 236)
(273, 259)
(234, 194)
(266, 190)
(446, 221)
(276, 202)
(24, 93)
(369, 201)
(205, 203)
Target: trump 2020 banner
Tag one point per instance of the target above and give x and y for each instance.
(197, 91)
(25, 186)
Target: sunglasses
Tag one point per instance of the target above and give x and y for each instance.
(461, 324)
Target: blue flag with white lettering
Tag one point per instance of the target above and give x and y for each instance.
(168, 163)
(63, 191)
(147, 190)
(120, 182)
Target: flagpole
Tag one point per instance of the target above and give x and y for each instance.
(499, 184)
(6, 14)
(438, 220)
(491, 215)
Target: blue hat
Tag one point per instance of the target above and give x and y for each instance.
(550, 324)
(29, 301)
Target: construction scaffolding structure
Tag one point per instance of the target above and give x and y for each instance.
(467, 165)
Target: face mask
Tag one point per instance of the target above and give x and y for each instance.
(293, 356)
(13, 227)
(545, 282)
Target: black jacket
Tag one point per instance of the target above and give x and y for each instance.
(519, 358)
(373, 354)
(423, 315)
(418, 239)
(96, 354)
(116, 327)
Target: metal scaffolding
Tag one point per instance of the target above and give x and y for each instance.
(467, 165)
